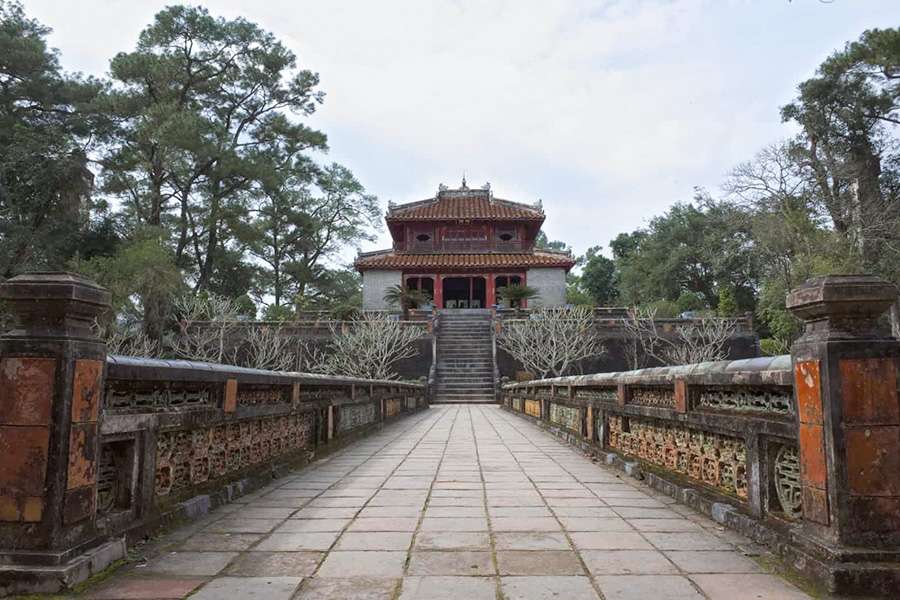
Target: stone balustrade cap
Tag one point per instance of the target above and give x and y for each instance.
(54, 286)
(859, 296)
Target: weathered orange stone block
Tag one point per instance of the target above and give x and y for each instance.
(869, 391)
(813, 469)
(681, 396)
(231, 395)
(295, 394)
(589, 422)
(86, 391)
(873, 461)
(807, 382)
(82, 455)
(879, 514)
(22, 472)
(622, 394)
(26, 390)
(815, 505)
(27, 509)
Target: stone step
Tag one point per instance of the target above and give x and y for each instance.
(445, 399)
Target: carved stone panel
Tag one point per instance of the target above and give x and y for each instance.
(759, 400)
(785, 477)
(264, 395)
(653, 396)
(714, 459)
(533, 408)
(392, 407)
(160, 396)
(356, 415)
(190, 457)
(597, 394)
(565, 416)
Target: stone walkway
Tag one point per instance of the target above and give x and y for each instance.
(459, 502)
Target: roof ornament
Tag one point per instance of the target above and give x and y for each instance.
(539, 204)
(464, 186)
(442, 188)
(391, 205)
(487, 186)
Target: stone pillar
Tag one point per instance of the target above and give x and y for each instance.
(846, 389)
(51, 382)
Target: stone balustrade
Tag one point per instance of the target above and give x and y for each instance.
(101, 449)
(800, 452)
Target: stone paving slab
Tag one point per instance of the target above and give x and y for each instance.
(457, 502)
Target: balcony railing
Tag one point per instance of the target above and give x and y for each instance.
(466, 246)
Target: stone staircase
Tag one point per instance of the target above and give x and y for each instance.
(465, 358)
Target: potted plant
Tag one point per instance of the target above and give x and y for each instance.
(406, 299)
(515, 294)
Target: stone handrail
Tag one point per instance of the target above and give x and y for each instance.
(100, 449)
(727, 426)
(799, 452)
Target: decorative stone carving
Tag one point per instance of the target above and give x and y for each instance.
(392, 407)
(356, 415)
(565, 416)
(774, 401)
(518, 404)
(186, 458)
(107, 481)
(263, 396)
(653, 396)
(533, 408)
(596, 394)
(786, 480)
(711, 458)
(160, 396)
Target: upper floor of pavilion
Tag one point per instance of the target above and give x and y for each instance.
(464, 220)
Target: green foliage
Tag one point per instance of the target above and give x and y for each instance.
(696, 248)
(405, 298)
(728, 305)
(576, 295)
(298, 228)
(515, 294)
(664, 309)
(276, 312)
(198, 140)
(142, 279)
(542, 242)
(46, 123)
(690, 301)
(598, 277)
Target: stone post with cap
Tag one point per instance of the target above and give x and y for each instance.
(846, 387)
(52, 369)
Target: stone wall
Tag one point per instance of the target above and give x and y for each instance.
(797, 452)
(102, 449)
(375, 284)
(550, 284)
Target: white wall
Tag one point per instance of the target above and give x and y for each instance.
(550, 284)
(375, 284)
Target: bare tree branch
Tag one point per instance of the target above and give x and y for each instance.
(553, 340)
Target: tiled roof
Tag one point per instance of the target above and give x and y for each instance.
(468, 204)
(391, 260)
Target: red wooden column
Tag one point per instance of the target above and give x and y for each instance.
(490, 290)
(438, 291)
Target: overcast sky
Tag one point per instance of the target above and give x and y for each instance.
(608, 111)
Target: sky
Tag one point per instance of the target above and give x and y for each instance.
(609, 111)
